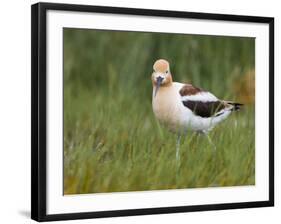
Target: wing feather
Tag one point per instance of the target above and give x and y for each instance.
(201, 102)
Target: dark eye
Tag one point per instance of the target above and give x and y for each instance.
(167, 72)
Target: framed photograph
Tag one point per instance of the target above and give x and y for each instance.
(139, 111)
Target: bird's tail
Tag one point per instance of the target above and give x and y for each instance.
(235, 106)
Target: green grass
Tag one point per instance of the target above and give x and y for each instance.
(112, 141)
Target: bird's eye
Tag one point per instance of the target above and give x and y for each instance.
(167, 72)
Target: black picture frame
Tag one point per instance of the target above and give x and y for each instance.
(38, 110)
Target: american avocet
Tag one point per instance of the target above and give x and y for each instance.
(183, 107)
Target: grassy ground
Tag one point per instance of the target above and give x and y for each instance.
(112, 141)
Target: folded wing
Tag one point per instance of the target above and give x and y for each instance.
(201, 102)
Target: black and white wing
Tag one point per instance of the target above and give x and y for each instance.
(203, 103)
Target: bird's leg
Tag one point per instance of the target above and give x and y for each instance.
(210, 141)
(178, 147)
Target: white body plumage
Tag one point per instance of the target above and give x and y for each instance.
(169, 109)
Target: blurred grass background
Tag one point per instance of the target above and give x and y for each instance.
(112, 141)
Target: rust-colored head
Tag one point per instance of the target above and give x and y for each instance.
(161, 76)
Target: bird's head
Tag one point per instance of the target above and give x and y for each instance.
(161, 76)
